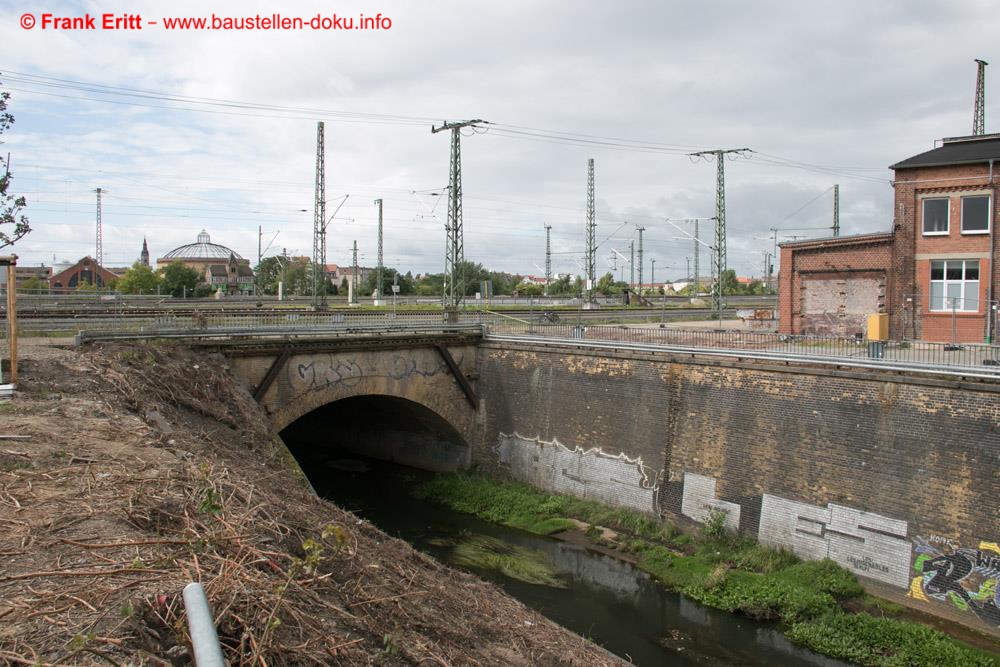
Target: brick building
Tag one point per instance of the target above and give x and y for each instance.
(830, 286)
(85, 272)
(934, 274)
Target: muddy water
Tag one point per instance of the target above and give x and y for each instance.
(596, 596)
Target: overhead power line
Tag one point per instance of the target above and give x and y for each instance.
(47, 85)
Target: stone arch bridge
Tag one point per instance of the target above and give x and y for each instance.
(430, 376)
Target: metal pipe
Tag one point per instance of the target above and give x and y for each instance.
(989, 277)
(204, 639)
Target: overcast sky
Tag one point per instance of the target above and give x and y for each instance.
(846, 88)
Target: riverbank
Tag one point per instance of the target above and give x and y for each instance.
(820, 605)
(135, 469)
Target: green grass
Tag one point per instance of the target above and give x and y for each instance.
(877, 642)
(725, 571)
(520, 506)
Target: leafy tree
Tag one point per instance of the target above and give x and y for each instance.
(561, 286)
(86, 286)
(298, 276)
(506, 283)
(13, 223)
(179, 279)
(203, 290)
(295, 272)
(34, 284)
(269, 273)
(429, 284)
(730, 285)
(138, 279)
(531, 289)
(405, 282)
(607, 285)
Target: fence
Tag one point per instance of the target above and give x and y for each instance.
(898, 355)
(980, 360)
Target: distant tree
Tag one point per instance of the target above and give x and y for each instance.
(179, 279)
(13, 223)
(561, 286)
(34, 285)
(203, 290)
(269, 273)
(405, 282)
(138, 279)
(608, 286)
(298, 277)
(531, 289)
(429, 284)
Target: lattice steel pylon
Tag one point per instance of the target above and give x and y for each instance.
(355, 283)
(836, 209)
(640, 230)
(99, 251)
(454, 255)
(631, 265)
(979, 114)
(590, 259)
(378, 271)
(719, 256)
(548, 257)
(319, 222)
(697, 257)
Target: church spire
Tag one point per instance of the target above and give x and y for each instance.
(144, 255)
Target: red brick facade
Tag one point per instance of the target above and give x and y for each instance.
(844, 266)
(915, 251)
(965, 275)
(86, 271)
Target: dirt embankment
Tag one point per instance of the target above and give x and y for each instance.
(147, 468)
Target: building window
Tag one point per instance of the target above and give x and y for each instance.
(936, 216)
(955, 284)
(976, 215)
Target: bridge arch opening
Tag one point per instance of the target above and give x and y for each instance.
(389, 428)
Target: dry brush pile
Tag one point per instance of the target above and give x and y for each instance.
(147, 468)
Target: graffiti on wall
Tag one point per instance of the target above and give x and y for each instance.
(615, 479)
(331, 370)
(868, 544)
(963, 577)
(865, 543)
(698, 501)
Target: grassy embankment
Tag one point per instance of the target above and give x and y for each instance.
(813, 600)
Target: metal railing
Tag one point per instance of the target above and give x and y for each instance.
(963, 358)
(222, 321)
(967, 359)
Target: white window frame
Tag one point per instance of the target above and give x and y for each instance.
(923, 228)
(945, 282)
(989, 214)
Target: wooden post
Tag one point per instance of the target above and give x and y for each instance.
(11, 262)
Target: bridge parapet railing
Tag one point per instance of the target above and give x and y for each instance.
(179, 322)
(918, 355)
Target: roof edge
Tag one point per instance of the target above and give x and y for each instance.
(855, 239)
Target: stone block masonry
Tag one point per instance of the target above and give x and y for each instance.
(897, 480)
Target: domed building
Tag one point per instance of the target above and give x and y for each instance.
(221, 267)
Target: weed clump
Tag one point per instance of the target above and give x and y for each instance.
(883, 642)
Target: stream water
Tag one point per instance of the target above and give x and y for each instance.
(597, 596)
